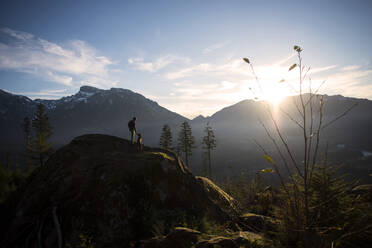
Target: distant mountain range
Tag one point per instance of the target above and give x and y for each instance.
(93, 110)
(348, 141)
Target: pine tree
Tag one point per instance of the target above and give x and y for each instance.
(166, 138)
(26, 126)
(186, 141)
(41, 146)
(209, 142)
(6, 186)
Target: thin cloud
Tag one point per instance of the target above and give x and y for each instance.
(45, 94)
(353, 83)
(67, 64)
(322, 69)
(215, 47)
(62, 79)
(351, 68)
(153, 66)
(194, 97)
(233, 67)
(283, 61)
(208, 86)
(237, 68)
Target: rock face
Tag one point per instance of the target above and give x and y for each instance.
(179, 237)
(187, 238)
(98, 189)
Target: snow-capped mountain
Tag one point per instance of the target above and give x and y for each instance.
(90, 110)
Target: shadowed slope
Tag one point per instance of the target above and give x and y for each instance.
(99, 186)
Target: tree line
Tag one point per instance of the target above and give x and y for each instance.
(37, 148)
(186, 142)
(37, 133)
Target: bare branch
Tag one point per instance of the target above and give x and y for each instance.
(278, 149)
(275, 167)
(257, 80)
(340, 116)
(315, 154)
(285, 144)
(315, 92)
(297, 107)
(311, 129)
(291, 118)
(368, 227)
(304, 77)
(57, 226)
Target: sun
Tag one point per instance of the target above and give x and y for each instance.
(270, 86)
(274, 95)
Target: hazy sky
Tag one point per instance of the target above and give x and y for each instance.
(186, 55)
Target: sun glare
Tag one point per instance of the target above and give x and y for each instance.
(274, 96)
(274, 93)
(272, 89)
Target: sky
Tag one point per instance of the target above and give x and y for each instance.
(186, 55)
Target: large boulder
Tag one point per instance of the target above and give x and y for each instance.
(187, 238)
(180, 237)
(99, 190)
(234, 240)
(257, 223)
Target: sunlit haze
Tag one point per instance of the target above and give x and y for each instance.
(186, 55)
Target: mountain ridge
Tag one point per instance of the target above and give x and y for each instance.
(93, 110)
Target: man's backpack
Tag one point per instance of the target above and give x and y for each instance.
(131, 125)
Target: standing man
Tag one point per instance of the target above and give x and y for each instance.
(132, 129)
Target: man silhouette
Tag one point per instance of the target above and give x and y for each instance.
(132, 129)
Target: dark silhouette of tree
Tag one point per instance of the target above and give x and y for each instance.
(6, 186)
(209, 142)
(41, 146)
(186, 141)
(166, 138)
(26, 126)
(204, 164)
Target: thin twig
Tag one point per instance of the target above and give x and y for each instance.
(311, 130)
(284, 142)
(291, 118)
(315, 154)
(57, 226)
(275, 166)
(340, 116)
(354, 232)
(316, 92)
(278, 150)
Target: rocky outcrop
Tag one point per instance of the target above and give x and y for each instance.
(186, 238)
(99, 189)
(180, 237)
(257, 223)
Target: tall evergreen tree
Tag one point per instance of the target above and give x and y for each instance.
(41, 146)
(209, 142)
(186, 141)
(6, 185)
(166, 138)
(26, 126)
